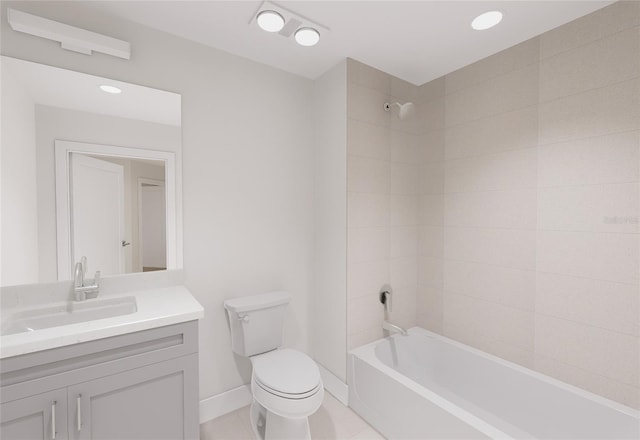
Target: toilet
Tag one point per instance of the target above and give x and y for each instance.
(285, 383)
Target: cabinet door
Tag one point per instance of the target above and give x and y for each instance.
(156, 402)
(43, 416)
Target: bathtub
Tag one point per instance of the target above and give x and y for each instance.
(426, 386)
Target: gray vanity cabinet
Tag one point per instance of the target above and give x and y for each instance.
(144, 403)
(141, 385)
(38, 417)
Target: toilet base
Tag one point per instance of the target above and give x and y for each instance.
(269, 426)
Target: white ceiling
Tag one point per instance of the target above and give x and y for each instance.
(414, 40)
(67, 89)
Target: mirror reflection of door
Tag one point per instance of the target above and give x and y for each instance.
(97, 214)
(152, 225)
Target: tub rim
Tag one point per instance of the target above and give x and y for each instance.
(367, 353)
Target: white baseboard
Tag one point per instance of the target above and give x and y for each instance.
(224, 403)
(334, 385)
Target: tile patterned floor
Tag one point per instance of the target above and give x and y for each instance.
(333, 421)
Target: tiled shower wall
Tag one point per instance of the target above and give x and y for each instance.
(527, 243)
(383, 174)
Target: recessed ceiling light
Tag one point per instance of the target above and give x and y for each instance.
(110, 89)
(307, 36)
(270, 21)
(486, 20)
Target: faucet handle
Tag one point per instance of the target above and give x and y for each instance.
(96, 279)
(385, 298)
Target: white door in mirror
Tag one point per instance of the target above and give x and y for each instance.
(97, 194)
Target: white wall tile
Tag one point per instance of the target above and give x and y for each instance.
(595, 112)
(603, 22)
(613, 158)
(509, 170)
(432, 145)
(367, 244)
(367, 210)
(405, 147)
(510, 287)
(404, 178)
(404, 210)
(514, 90)
(513, 58)
(367, 140)
(367, 105)
(496, 321)
(601, 256)
(497, 209)
(512, 130)
(364, 312)
(403, 272)
(603, 62)
(403, 241)
(605, 304)
(430, 115)
(431, 241)
(367, 76)
(429, 308)
(432, 178)
(566, 341)
(513, 248)
(430, 272)
(432, 209)
(597, 208)
(576, 375)
(367, 277)
(366, 175)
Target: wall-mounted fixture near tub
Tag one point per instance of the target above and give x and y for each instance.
(405, 111)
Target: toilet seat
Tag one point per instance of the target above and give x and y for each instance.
(287, 383)
(286, 372)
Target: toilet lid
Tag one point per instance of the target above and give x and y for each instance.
(287, 371)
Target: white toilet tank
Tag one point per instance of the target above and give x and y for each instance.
(256, 322)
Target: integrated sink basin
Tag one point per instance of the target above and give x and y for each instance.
(67, 313)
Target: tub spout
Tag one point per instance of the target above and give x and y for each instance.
(393, 328)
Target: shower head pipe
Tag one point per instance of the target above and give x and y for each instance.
(405, 110)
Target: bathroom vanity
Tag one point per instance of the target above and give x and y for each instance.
(129, 376)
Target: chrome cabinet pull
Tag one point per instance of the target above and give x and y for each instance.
(78, 403)
(53, 420)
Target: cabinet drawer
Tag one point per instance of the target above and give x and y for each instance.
(34, 373)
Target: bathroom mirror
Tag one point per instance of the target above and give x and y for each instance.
(87, 172)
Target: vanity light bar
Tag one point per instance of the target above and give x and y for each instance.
(69, 37)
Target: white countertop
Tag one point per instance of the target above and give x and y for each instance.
(156, 307)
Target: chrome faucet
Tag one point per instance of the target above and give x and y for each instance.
(79, 288)
(385, 298)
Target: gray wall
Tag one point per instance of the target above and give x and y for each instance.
(247, 140)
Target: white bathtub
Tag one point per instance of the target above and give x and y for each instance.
(426, 386)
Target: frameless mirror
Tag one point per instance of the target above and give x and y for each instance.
(86, 172)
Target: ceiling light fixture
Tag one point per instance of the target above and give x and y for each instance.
(110, 89)
(270, 21)
(486, 20)
(307, 36)
(70, 37)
